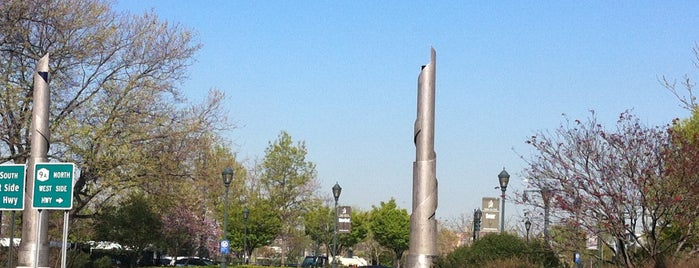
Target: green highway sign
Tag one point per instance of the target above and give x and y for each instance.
(12, 187)
(53, 186)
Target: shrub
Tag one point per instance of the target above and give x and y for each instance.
(500, 250)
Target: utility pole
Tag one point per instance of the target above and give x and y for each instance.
(423, 225)
(31, 253)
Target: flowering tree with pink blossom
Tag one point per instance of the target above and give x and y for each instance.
(190, 231)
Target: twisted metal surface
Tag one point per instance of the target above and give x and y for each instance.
(34, 247)
(423, 225)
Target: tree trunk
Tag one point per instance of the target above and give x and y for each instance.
(396, 258)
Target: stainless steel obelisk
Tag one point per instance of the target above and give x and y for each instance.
(423, 225)
(34, 247)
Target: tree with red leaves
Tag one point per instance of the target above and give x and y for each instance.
(616, 184)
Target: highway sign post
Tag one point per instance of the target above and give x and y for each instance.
(12, 187)
(53, 186)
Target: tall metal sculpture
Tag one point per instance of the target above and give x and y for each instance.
(423, 225)
(34, 247)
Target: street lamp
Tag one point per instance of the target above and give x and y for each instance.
(504, 178)
(227, 175)
(546, 198)
(336, 193)
(527, 226)
(477, 213)
(246, 213)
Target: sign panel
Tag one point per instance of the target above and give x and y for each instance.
(53, 186)
(344, 220)
(225, 246)
(12, 187)
(491, 215)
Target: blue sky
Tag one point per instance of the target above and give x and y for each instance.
(342, 76)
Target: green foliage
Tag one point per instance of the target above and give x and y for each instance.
(133, 224)
(289, 182)
(116, 110)
(360, 230)
(318, 225)
(538, 252)
(263, 225)
(500, 250)
(457, 258)
(288, 178)
(77, 259)
(391, 228)
(103, 262)
(496, 246)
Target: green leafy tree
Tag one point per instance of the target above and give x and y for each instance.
(193, 206)
(116, 110)
(390, 226)
(133, 224)
(359, 232)
(289, 182)
(318, 225)
(263, 225)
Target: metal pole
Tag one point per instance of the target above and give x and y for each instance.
(12, 241)
(34, 227)
(224, 260)
(64, 249)
(335, 238)
(245, 242)
(546, 196)
(527, 236)
(38, 242)
(423, 223)
(502, 221)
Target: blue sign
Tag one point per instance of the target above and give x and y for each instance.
(225, 246)
(576, 258)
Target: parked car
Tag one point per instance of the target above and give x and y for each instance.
(314, 261)
(193, 261)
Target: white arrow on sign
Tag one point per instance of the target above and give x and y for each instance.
(59, 200)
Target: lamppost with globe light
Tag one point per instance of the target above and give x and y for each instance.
(504, 178)
(527, 226)
(546, 198)
(336, 194)
(227, 175)
(477, 214)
